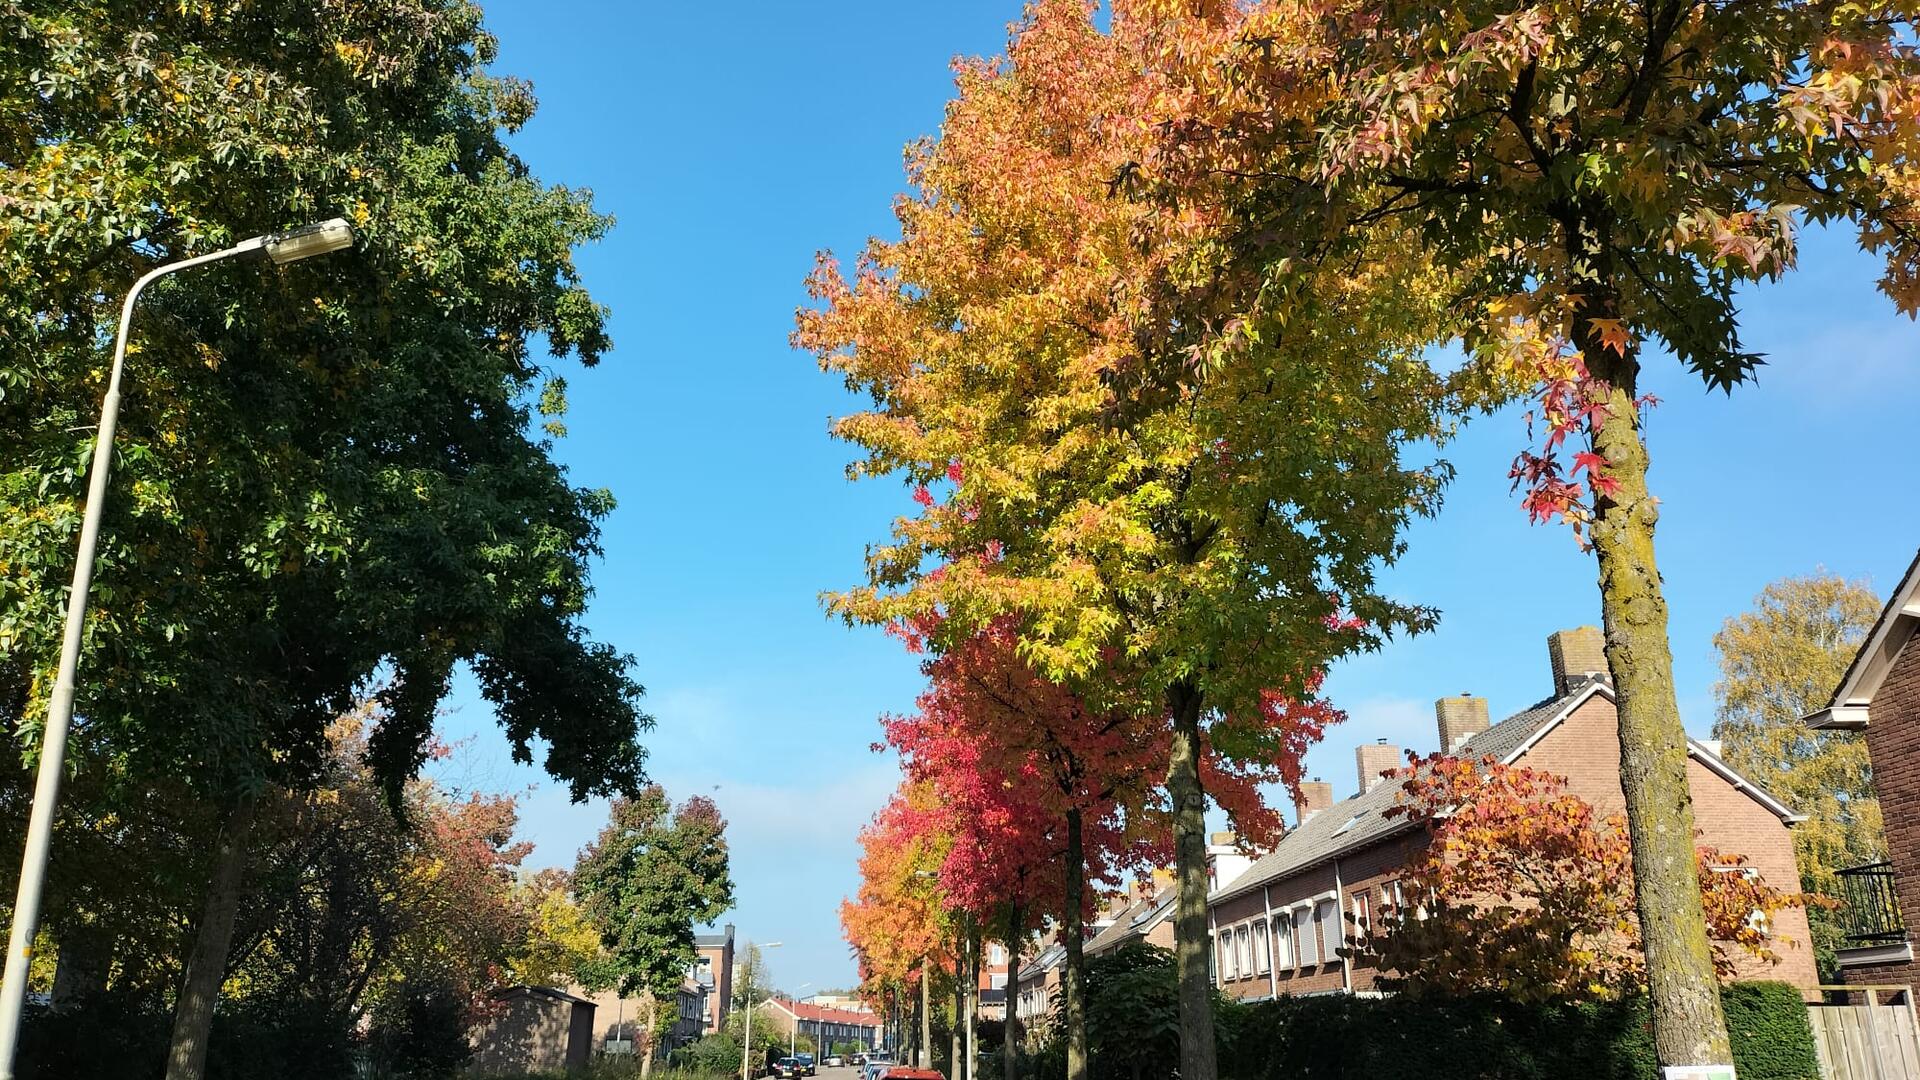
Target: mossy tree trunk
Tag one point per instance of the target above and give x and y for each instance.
(1689, 1027)
(1197, 1053)
(1073, 934)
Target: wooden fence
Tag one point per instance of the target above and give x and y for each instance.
(1870, 1040)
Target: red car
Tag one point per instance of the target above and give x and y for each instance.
(903, 1072)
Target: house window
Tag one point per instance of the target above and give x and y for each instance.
(1362, 915)
(1303, 938)
(1262, 959)
(1326, 915)
(1243, 952)
(1224, 971)
(1282, 941)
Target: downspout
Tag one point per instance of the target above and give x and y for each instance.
(1340, 919)
(1273, 961)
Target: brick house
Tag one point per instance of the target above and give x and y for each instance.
(533, 1029)
(617, 1021)
(827, 1027)
(1285, 925)
(1879, 696)
(713, 969)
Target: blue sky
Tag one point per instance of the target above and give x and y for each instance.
(730, 148)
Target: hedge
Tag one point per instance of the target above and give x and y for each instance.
(1338, 1037)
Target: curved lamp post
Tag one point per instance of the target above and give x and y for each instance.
(281, 248)
(746, 1040)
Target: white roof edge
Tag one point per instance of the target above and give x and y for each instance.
(1838, 718)
(1740, 783)
(1579, 699)
(1901, 612)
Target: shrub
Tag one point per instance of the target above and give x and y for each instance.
(1339, 1037)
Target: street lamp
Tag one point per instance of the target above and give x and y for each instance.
(281, 248)
(793, 1043)
(746, 1040)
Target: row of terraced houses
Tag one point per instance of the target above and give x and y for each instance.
(1284, 921)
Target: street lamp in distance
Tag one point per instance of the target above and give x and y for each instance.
(746, 1038)
(281, 248)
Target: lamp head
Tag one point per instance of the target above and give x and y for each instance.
(305, 242)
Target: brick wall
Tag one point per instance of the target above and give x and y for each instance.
(1585, 749)
(1893, 741)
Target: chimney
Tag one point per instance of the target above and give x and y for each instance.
(1374, 760)
(1576, 654)
(1222, 839)
(1315, 795)
(1461, 718)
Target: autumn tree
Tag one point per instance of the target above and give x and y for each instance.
(1030, 777)
(1597, 181)
(1194, 505)
(321, 473)
(1778, 664)
(655, 871)
(1524, 890)
(898, 924)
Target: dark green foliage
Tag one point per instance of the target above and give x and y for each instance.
(1338, 1037)
(420, 1036)
(1132, 1030)
(107, 1036)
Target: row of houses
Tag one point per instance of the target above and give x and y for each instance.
(1285, 921)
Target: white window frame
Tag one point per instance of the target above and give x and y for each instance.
(1330, 926)
(1223, 942)
(1282, 940)
(1262, 947)
(1243, 951)
(1307, 944)
(1362, 915)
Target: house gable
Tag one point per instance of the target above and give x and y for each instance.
(1851, 706)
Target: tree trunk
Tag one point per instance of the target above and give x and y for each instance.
(1010, 1031)
(1197, 1052)
(650, 1044)
(1688, 1026)
(1073, 975)
(954, 1071)
(973, 1001)
(207, 964)
(926, 1013)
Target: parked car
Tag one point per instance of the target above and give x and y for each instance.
(786, 1069)
(805, 1061)
(834, 1061)
(874, 1066)
(903, 1072)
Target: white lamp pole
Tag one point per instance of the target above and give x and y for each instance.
(746, 1040)
(793, 1043)
(328, 236)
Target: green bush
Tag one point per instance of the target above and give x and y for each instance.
(1338, 1037)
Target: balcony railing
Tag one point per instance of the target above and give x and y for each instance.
(1871, 911)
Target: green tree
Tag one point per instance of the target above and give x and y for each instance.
(1778, 663)
(655, 871)
(322, 473)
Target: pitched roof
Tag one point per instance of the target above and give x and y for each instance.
(820, 1014)
(553, 992)
(1135, 922)
(1852, 699)
(1046, 960)
(1362, 820)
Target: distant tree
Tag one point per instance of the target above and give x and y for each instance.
(562, 945)
(1778, 663)
(1525, 891)
(654, 872)
(899, 923)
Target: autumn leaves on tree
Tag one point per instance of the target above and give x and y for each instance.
(1151, 347)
